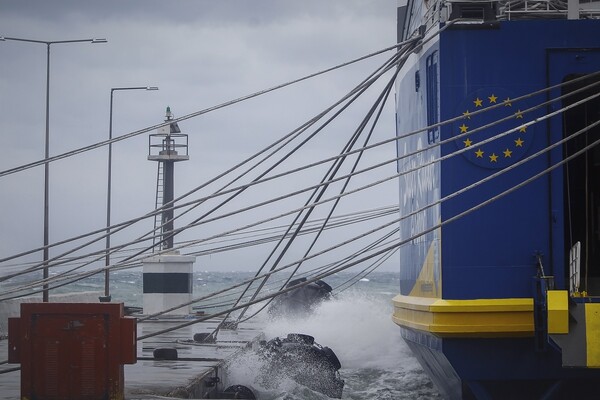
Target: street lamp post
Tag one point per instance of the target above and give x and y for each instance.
(47, 140)
(106, 296)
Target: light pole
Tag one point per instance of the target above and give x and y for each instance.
(106, 296)
(47, 139)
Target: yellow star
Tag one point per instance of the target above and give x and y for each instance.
(523, 128)
(479, 153)
(478, 102)
(467, 142)
(493, 157)
(493, 98)
(467, 115)
(518, 114)
(507, 102)
(519, 142)
(507, 153)
(463, 128)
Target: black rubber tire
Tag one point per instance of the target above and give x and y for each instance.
(240, 392)
(202, 338)
(300, 338)
(165, 353)
(331, 357)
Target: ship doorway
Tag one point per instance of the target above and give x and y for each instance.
(582, 183)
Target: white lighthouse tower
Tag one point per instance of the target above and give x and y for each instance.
(168, 275)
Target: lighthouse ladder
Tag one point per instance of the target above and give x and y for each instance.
(157, 204)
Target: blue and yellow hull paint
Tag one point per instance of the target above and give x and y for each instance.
(466, 301)
(484, 348)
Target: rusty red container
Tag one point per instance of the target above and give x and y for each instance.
(72, 350)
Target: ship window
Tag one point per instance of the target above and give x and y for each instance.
(433, 134)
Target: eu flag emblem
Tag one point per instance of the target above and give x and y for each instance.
(500, 114)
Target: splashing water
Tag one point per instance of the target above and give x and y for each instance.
(356, 325)
(376, 363)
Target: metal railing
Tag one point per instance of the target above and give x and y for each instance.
(163, 143)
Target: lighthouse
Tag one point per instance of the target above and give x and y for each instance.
(168, 275)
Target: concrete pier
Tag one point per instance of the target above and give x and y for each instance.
(197, 373)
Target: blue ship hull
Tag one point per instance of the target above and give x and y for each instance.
(475, 274)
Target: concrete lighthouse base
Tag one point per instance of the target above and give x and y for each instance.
(168, 282)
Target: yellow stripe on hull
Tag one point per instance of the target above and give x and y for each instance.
(592, 338)
(468, 318)
(429, 281)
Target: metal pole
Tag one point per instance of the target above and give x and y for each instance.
(47, 146)
(108, 201)
(573, 9)
(106, 297)
(168, 193)
(46, 175)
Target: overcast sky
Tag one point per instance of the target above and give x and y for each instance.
(199, 53)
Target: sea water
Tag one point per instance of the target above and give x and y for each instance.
(356, 324)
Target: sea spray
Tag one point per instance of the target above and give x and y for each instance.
(355, 325)
(376, 363)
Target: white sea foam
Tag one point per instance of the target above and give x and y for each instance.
(376, 363)
(356, 326)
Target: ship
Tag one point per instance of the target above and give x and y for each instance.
(497, 116)
(497, 126)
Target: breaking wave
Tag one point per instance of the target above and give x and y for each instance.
(357, 326)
